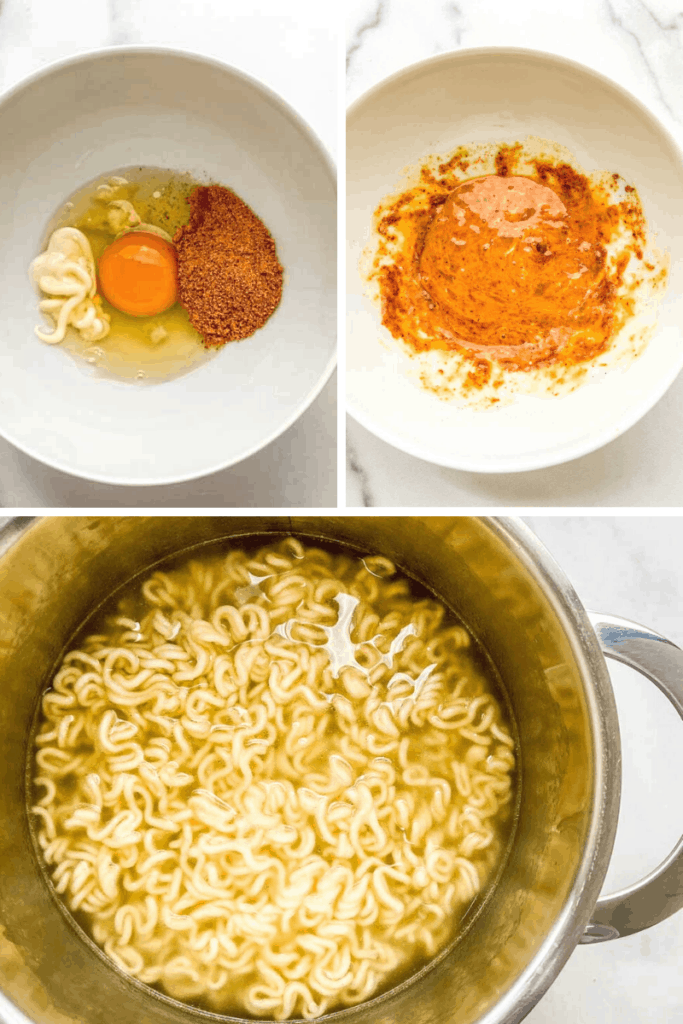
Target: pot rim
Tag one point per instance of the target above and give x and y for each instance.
(580, 903)
(581, 900)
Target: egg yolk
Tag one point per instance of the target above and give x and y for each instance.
(138, 274)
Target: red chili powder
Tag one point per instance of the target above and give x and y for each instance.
(229, 276)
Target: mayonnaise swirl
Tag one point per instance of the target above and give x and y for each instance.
(65, 273)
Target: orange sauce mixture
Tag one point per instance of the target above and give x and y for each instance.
(507, 267)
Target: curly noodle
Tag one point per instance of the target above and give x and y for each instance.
(281, 787)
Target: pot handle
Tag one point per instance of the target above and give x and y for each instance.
(659, 894)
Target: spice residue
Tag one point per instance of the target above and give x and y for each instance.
(509, 261)
(229, 276)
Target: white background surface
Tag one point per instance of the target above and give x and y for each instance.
(633, 567)
(638, 44)
(293, 49)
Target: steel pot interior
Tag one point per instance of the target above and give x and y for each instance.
(502, 583)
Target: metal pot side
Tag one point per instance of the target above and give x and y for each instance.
(502, 582)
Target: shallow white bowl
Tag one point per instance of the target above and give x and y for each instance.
(503, 95)
(113, 108)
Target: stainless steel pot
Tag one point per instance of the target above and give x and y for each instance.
(503, 583)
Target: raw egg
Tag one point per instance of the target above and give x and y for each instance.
(138, 274)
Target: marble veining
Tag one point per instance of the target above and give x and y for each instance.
(658, 41)
(360, 475)
(630, 566)
(640, 46)
(373, 21)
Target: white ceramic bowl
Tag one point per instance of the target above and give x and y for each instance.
(82, 117)
(502, 95)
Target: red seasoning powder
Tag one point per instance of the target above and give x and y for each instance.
(229, 276)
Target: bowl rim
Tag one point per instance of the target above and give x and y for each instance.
(329, 164)
(638, 409)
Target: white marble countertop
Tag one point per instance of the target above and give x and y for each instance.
(632, 567)
(638, 44)
(293, 49)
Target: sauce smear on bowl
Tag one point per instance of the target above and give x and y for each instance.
(530, 271)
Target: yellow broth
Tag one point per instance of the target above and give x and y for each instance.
(377, 617)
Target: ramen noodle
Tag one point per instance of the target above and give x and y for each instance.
(272, 783)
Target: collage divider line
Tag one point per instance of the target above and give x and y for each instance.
(341, 258)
